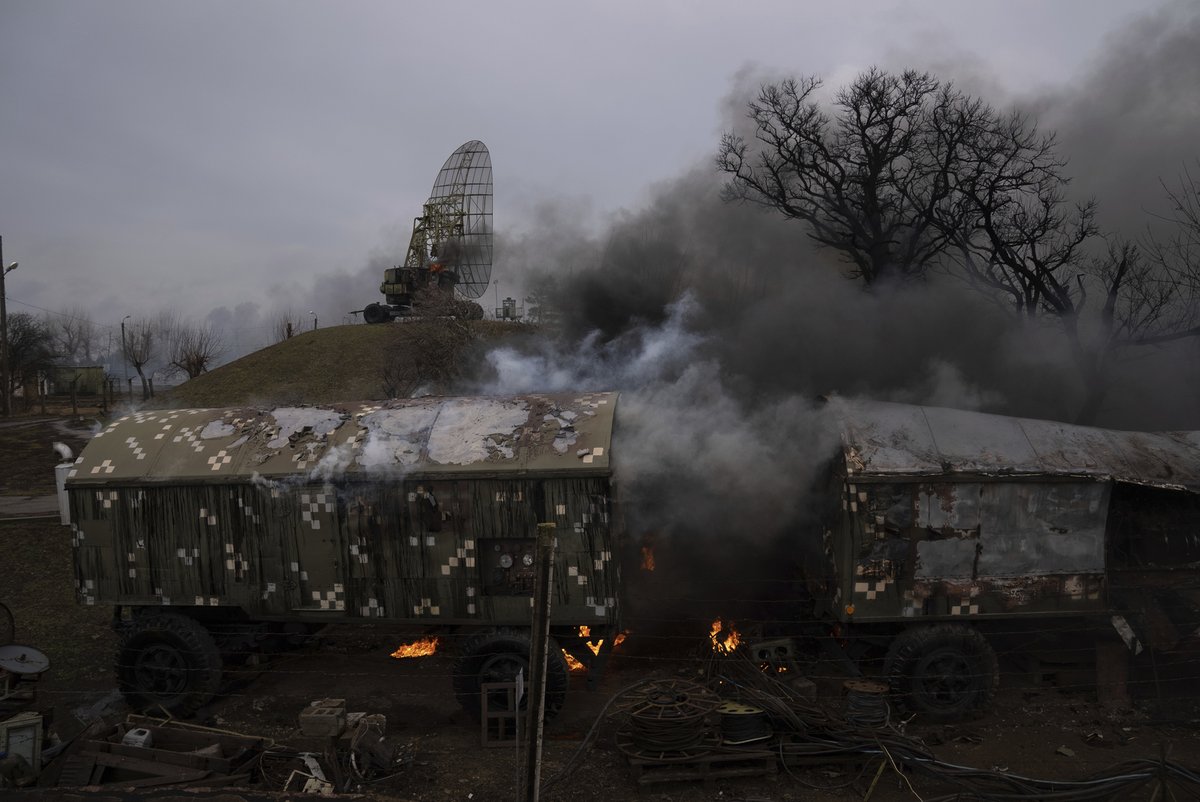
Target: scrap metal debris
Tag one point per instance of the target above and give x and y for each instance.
(819, 747)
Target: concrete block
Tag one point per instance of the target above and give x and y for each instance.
(322, 721)
(336, 703)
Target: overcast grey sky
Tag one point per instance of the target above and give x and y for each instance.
(205, 154)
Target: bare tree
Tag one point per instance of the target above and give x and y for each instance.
(542, 301)
(192, 348)
(1037, 251)
(908, 175)
(74, 334)
(141, 348)
(433, 349)
(1175, 255)
(874, 180)
(30, 350)
(285, 324)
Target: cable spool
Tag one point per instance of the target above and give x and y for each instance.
(667, 718)
(743, 724)
(867, 704)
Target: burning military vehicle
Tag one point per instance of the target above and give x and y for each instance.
(944, 529)
(212, 532)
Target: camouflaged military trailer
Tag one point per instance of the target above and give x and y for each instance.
(946, 530)
(212, 532)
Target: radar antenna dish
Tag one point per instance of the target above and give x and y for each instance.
(451, 244)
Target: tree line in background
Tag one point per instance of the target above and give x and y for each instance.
(165, 344)
(903, 177)
(909, 183)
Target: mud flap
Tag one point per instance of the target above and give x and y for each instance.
(1152, 625)
(1127, 634)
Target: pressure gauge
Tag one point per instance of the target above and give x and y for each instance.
(506, 561)
(527, 560)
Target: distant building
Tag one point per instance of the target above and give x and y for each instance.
(88, 379)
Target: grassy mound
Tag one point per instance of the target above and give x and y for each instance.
(346, 363)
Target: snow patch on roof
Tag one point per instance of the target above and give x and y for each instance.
(217, 429)
(296, 419)
(394, 436)
(471, 429)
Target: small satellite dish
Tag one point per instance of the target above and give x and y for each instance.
(22, 660)
(451, 245)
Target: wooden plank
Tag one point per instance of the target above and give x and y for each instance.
(220, 765)
(76, 770)
(151, 767)
(149, 782)
(180, 737)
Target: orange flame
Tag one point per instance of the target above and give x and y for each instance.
(594, 645)
(724, 637)
(418, 648)
(586, 633)
(647, 558)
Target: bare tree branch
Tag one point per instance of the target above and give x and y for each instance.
(194, 347)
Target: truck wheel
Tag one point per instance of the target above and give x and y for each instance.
(497, 657)
(468, 310)
(374, 313)
(170, 661)
(942, 672)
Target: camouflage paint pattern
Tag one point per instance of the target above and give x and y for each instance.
(419, 509)
(947, 514)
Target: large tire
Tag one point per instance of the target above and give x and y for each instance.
(497, 657)
(375, 313)
(469, 310)
(942, 672)
(168, 661)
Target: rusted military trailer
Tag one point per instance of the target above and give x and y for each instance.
(211, 532)
(944, 527)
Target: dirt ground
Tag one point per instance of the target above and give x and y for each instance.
(1036, 728)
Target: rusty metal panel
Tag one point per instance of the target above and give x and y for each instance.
(1010, 529)
(1038, 529)
(949, 549)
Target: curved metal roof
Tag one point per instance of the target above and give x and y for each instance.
(886, 439)
(423, 437)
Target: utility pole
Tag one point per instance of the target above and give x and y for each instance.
(543, 583)
(4, 379)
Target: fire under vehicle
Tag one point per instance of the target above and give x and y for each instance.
(213, 532)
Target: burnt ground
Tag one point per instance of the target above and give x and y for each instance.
(1047, 726)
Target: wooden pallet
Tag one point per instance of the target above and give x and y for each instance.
(719, 764)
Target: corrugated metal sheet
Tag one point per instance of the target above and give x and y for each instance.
(541, 435)
(885, 439)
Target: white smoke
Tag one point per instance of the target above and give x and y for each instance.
(636, 358)
(689, 451)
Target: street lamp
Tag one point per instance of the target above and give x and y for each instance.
(125, 357)
(6, 408)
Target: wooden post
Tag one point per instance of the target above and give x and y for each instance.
(540, 644)
(1112, 674)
